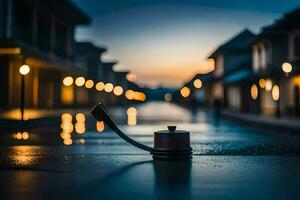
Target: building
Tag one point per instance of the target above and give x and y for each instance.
(232, 69)
(276, 59)
(89, 56)
(40, 34)
(290, 81)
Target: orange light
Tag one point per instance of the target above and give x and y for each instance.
(118, 90)
(275, 93)
(25, 135)
(254, 92)
(100, 126)
(197, 83)
(68, 81)
(80, 117)
(131, 111)
(129, 94)
(131, 116)
(66, 117)
(269, 85)
(185, 92)
(24, 70)
(262, 83)
(131, 77)
(89, 84)
(108, 87)
(80, 81)
(68, 142)
(100, 86)
(19, 135)
(287, 67)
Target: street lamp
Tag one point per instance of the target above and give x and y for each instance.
(24, 70)
(287, 68)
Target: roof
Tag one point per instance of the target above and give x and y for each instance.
(289, 20)
(89, 48)
(239, 41)
(65, 9)
(109, 64)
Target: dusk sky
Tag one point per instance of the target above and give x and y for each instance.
(165, 42)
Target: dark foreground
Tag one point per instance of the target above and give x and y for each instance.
(230, 161)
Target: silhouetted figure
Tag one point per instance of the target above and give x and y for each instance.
(217, 111)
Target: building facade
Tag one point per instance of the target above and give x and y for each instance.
(40, 34)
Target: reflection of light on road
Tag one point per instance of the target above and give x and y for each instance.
(131, 114)
(21, 135)
(100, 126)
(25, 135)
(81, 141)
(23, 155)
(67, 128)
(68, 141)
(80, 123)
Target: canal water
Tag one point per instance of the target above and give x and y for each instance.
(85, 160)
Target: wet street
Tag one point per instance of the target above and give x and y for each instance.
(86, 160)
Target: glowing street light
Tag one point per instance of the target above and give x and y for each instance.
(100, 86)
(118, 90)
(185, 92)
(89, 84)
(287, 67)
(262, 83)
(108, 87)
(275, 93)
(197, 83)
(268, 85)
(24, 70)
(80, 81)
(254, 92)
(129, 94)
(68, 81)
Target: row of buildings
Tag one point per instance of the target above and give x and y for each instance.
(253, 73)
(63, 73)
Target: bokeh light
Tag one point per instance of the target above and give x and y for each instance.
(287, 67)
(80, 81)
(100, 86)
(197, 83)
(185, 91)
(168, 97)
(89, 84)
(254, 92)
(100, 126)
(108, 87)
(68, 81)
(118, 90)
(262, 83)
(24, 70)
(276, 93)
(269, 85)
(129, 94)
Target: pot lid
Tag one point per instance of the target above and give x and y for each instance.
(171, 130)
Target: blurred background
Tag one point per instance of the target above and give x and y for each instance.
(239, 59)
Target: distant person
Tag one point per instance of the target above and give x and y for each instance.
(217, 110)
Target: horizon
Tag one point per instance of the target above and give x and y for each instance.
(165, 43)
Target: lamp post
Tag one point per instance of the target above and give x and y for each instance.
(24, 70)
(287, 68)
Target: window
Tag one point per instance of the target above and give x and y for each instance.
(219, 65)
(261, 56)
